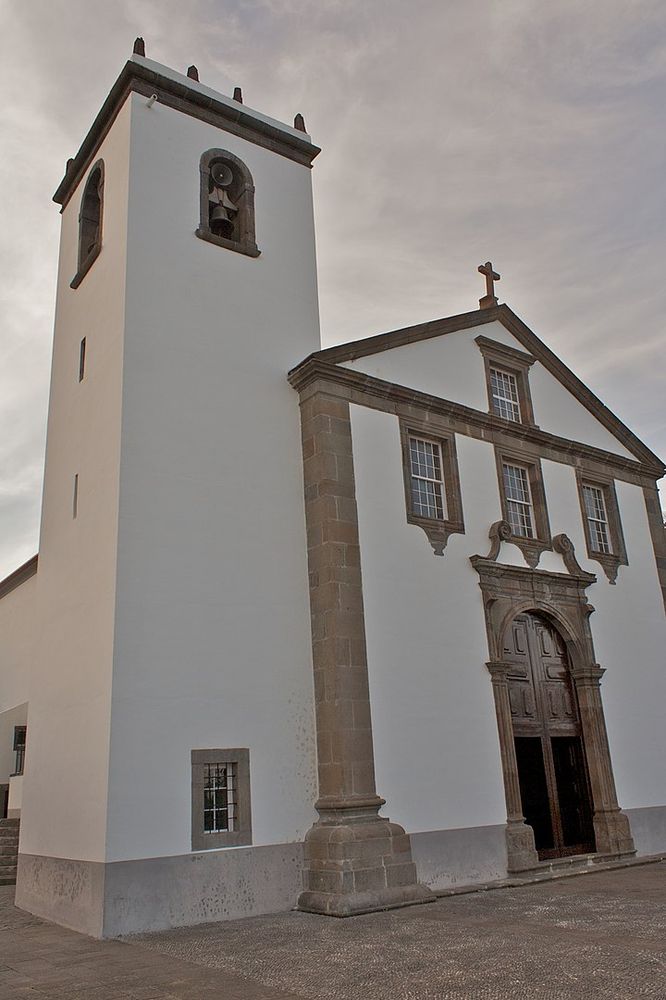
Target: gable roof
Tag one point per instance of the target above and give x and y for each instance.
(356, 349)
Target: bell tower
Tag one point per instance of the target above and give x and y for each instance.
(173, 563)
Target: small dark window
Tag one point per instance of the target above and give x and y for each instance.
(20, 733)
(227, 202)
(90, 223)
(75, 496)
(82, 359)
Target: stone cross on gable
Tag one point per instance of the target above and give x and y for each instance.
(489, 299)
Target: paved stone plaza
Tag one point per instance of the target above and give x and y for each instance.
(600, 935)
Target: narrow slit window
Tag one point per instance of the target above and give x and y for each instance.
(75, 496)
(597, 519)
(427, 483)
(82, 359)
(518, 500)
(504, 391)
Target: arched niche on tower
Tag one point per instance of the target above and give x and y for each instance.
(226, 203)
(91, 216)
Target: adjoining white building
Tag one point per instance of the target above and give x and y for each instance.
(247, 623)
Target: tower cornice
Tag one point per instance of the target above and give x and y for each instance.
(143, 76)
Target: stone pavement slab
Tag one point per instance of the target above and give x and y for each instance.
(600, 935)
(40, 961)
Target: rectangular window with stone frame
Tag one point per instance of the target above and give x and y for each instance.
(221, 812)
(524, 502)
(507, 381)
(432, 483)
(601, 522)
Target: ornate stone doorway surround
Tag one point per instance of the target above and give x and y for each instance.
(507, 592)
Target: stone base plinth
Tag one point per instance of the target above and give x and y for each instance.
(358, 862)
(520, 849)
(613, 833)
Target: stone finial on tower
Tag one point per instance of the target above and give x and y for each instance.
(299, 123)
(238, 95)
(489, 299)
(139, 47)
(193, 73)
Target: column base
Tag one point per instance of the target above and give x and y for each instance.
(520, 849)
(358, 862)
(612, 833)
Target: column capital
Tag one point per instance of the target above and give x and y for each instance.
(498, 669)
(588, 675)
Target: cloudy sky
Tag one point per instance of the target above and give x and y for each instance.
(453, 131)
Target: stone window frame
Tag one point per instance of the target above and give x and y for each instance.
(437, 530)
(86, 261)
(242, 835)
(246, 217)
(513, 362)
(530, 547)
(609, 561)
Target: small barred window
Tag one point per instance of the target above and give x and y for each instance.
(221, 813)
(219, 805)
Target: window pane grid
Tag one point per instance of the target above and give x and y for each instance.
(504, 390)
(426, 479)
(518, 500)
(595, 511)
(219, 791)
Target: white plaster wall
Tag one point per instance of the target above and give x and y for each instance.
(8, 720)
(212, 633)
(18, 617)
(15, 796)
(629, 632)
(452, 367)
(67, 755)
(436, 744)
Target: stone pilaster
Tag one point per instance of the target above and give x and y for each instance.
(355, 860)
(611, 826)
(521, 851)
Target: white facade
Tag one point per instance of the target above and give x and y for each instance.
(170, 611)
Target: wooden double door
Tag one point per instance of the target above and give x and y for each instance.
(550, 754)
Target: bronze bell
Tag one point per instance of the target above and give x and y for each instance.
(219, 214)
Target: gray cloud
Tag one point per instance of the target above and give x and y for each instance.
(526, 132)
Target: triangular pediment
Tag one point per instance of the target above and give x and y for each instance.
(442, 359)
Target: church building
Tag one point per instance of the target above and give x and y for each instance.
(330, 629)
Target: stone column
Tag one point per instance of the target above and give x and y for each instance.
(355, 860)
(611, 825)
(521, 851)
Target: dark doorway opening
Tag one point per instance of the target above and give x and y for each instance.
(552, 768)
